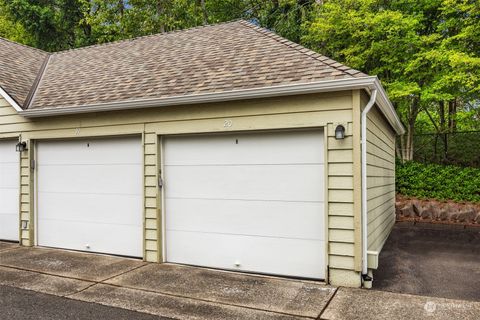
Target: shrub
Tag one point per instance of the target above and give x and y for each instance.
(442, 182)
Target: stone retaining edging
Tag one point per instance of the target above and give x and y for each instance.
(435, 211)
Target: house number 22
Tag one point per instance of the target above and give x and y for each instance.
(227, 123)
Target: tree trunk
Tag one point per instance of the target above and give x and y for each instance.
(204, 12)
(160, 14)
(411, 119)
(452, 115)
(443, 128)
(409, 145)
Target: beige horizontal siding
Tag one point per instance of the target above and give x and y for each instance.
(342, 249)
(380, 179)
(308, 111)
(341, 222)
(151, 199)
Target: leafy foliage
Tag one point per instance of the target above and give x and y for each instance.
(11, 29)
(462, 148)
(63, 24)
(425, 52)
(52, 24)
(438, 181)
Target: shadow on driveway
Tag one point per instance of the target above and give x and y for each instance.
(429, 261)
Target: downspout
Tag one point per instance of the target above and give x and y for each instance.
(368, 107)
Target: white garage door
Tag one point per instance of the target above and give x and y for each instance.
(90, 195)
(250, 202)
(9, 191)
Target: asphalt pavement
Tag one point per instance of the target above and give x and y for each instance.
(19, 304)
(431, 260)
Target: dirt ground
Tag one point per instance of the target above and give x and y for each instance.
(427, 260)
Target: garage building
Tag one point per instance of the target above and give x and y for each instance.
(223, 146)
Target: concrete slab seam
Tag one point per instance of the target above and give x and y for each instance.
(123, 272)
(79, 291)
(327, 304)
(9, 249)
(46, 273)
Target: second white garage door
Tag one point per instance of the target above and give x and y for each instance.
(250, 202)
(90, 195)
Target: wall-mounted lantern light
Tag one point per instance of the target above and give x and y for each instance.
(339, 132)
(21, 146)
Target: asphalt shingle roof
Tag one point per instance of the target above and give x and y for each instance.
(217, 58)
(19, 67)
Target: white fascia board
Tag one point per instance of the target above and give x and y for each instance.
(244, 94)
(255, 93)
(387, 108)
(10, 100)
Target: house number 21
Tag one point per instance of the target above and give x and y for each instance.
(227, 123)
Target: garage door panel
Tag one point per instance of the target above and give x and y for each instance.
(104, 179)
(92, 151)
(270, 255)
(9, 201)
(9, 226)
(8, 152)
(90, 192)
(76, 235)
(254, 198)
(266, 182)
(90, 207)
(9, 190)
(268, 148)
(262, 218)
(9, 173)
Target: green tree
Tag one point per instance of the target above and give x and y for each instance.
(424, 51)
(53, 24)
(452, 58)
(12, 30)
(285, 17)
(369, 36)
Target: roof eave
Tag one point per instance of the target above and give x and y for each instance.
(254, 93)
(387, 108)
(10, 100)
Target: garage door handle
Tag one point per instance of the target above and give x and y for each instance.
(160, 183)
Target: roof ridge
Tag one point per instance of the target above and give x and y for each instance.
(23, 45)
(145, 36)
(298, 47)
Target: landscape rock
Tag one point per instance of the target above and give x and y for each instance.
(443, 215)
(453, 216)
(427, 214)
(407, 211)
(417, 208)
(435, 211)
(467, 215)
(477, 219)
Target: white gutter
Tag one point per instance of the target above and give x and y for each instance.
(368, 83)
(10, 100)
(368, 107)
(264, 92)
